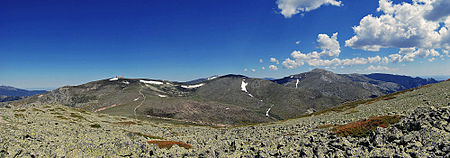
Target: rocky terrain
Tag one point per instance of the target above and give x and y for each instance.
(221, 100)
(420, 128)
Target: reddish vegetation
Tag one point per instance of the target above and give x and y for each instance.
(448, 79)
(364, 127)
(168, 144)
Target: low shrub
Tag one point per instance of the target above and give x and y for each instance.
(364, 127)
(95, 126)
(168, 144)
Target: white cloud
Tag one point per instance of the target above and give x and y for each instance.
(404, 26)
(260, 61)
(274, 60)
(377, 68)
(263, 68)
(245, 69)
(297, 42)
(291, 64)
(273, 67)
(253, 70)
(291, 7)
(375, 59)
(431, 59)
(329, 45)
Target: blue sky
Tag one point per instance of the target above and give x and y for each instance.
(52, 43)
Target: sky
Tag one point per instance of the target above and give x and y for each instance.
(52, 43)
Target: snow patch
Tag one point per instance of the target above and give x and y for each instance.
(211, 78)
(268, 110)
(227, 108)
(114, 79)
(296, 84)
(192, 86)
(136, 99)
(162, 96)
(125, 82)
(243, 86)
(151, 82)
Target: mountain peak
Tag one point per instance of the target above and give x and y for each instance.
(320, 70)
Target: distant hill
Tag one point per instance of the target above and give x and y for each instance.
(405, 81)
(11, 91)
(8, 93)
(225, 100)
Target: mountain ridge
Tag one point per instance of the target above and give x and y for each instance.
(224, 100)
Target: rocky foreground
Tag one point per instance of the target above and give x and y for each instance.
(35, 130)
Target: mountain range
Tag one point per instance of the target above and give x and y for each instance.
(225, 100)
(8, 93)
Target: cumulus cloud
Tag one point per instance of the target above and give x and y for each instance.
(260, 61)
(253, 70)
(245, 69)
(263, 68)
(274, 60)
(297, 42)
(329, 45)
(273, 67)
(291, 7)
(422, 24)
(377, 68)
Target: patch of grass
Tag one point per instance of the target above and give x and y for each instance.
(364, 127)
(324, 126)
(95, 126)
(20, 110)
(39, 110)
(351, 112)
(56, 113)
(19, 115)
(168, 144)
(80, 110)
(62, 117)
(146, 135)
(8, 107)
(74, 115)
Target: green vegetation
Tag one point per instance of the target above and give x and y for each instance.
(62, 117)
(364, 127)
(74, 115)
(20, 110)
(19, 115)
(351, 112)
(95, 126)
